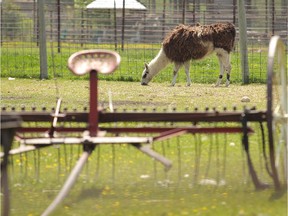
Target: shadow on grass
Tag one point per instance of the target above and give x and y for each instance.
(278, 194)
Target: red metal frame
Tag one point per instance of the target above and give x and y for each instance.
(93, 112)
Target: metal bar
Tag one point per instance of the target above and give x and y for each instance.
(46, 130)
(55, 119)
(253, 116)
(180, 117)
(68, 184)
(8, 126)
(86, 140)
(93, 112)
(170, 133)
(187, 129)
(147, 150)
(21, 149)
(192, 129)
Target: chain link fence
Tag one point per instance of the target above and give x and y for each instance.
(135, 34)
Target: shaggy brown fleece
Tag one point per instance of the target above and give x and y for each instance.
(186, 42)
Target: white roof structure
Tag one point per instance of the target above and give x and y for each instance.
(109, 4)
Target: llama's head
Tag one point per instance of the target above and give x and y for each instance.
(146, 76)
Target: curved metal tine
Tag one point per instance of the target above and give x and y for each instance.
(55, 118)
(245, 142)
(102, 61)
(68, 184)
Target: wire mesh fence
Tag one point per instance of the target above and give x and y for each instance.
(135, 34)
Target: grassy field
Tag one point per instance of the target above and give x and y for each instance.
(21, 60)
(129, 95)
(119, 180)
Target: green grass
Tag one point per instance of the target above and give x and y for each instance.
(129, 95)
(115, 186)
(120, 180)
(21, 60)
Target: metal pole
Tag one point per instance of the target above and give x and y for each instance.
(93, 112)
(1, 31)
(183, 11)
(273, 16)
(82, 27)
(243, 41)
(234, 11)
(266, 16)
(123, 25)
(194, 11)
(58, 25)
(164, 18)
(115, 25)
(42, 41)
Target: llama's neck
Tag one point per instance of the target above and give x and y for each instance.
(158, 63)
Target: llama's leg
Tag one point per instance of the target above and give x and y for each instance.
(221, 69)
(227, 68)
(224, 61)
(187, 71)
(175, 73)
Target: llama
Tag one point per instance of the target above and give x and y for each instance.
(186, 42)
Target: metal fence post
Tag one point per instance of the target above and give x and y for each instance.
(42, 41)
(243, 41)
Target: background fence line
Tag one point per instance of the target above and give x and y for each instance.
(71, 27)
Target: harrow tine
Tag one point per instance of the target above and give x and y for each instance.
(55, 118)
(147, 150)
(69, 183)
(257, 183)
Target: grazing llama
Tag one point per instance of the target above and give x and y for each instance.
(186, 42)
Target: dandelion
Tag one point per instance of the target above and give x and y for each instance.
(116, 204)
(184, 213)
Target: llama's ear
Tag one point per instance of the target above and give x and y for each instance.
(146, 66)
